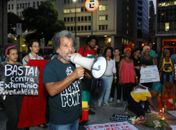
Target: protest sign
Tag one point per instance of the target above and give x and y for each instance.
(112, 126)
(149, 74)
(18, 80)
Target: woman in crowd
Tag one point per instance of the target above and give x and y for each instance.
(147, 60)
(127, 76)
(167, 67)
(33, 109)
(117, 59)
(108, 76)
(12, 103)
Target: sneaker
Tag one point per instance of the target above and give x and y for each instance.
(106, 104)
(111, 99)
(118, 101)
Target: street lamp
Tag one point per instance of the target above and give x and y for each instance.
(74, 1)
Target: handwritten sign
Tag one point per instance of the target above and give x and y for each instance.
(149, 74)
(112, 126)
(18, 80)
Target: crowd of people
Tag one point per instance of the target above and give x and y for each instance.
(58, 105)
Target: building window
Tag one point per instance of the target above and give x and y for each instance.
(78, 28)
(33, 4)
(12, 6)
(103, 17)
(38, 3)
(9, 7)
(102, 8)
(65, 19)
(89, 18)
(167, 26)
(17, 6)
(79, 19)
(66, 11)
(103, 27)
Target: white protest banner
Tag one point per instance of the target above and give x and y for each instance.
(149, 74)
(112, 126)
(18, 80)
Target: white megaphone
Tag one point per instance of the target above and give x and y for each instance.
(97, 66)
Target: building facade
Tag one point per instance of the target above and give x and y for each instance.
(152, 22)
(114, 21)
(166, 25)
(17, 6)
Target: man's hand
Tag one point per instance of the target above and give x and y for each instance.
(78, 73)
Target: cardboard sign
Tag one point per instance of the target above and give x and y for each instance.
(18, 80)
(149, 74)
(112, 126)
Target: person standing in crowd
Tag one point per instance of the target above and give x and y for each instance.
(33, 109)
(167, 67)
(127, 76)
(34, 48)
(137, 62)
(12, 103)
(147, 60)
(89, 52)
(108, 76)
(61, 80)
(116, 84)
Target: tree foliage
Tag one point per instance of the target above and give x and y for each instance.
(13, 19)
(44, 20)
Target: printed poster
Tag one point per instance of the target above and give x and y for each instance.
(112, 126)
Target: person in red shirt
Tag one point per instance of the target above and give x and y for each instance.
(88, 51)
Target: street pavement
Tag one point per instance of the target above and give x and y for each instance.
(103, 115)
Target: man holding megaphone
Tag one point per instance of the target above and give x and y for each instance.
(61, 79)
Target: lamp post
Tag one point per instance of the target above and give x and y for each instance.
(74, 1)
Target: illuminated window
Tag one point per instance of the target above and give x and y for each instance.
(165, 4)
(103, 17)
(167, 26)
(66, 11)
(102, 8)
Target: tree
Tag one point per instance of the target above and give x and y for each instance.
(44, 20)
(13, 19)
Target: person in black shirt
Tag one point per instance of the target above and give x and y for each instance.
(137, 62)
(61, 79)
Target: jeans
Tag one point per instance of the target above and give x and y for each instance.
(71, 126)
(167, 77)
(107, 83)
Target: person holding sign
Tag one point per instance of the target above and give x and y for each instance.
(62, 83)
(33, 109)
(12, 103)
